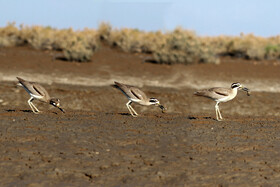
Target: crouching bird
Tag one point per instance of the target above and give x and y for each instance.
(36, 91)
(135, 95)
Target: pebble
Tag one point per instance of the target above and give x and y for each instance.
(115, 164)
(58, 171)
(103, 167)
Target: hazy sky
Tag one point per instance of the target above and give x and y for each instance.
(206, 17)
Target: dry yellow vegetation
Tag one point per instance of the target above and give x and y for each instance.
(178, 46)
(76, 45)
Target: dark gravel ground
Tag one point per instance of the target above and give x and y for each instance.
(113, 149)
(96, 142)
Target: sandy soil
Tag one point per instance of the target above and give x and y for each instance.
(96, 142)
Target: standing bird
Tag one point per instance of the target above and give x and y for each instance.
(221, 95)
(134, 94)
(36, 91)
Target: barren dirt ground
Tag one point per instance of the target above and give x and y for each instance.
(96, 142)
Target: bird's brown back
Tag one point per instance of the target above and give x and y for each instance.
(131, 91)
(35, 89)
(214, 93)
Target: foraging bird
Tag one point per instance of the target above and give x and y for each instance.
(134, 94)
(221, 95)
(36, 91)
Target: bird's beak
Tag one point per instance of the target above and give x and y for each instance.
(246, 90)
(61, 109)
(163, 109)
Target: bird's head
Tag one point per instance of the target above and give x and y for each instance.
(56, 103)
(240, 86)
(236, 85)
(154, 101)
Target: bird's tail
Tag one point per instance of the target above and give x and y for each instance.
(20, 79)
(117, 84)
(199, 93)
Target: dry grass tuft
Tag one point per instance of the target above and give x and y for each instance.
(76, 45)
(179, 46)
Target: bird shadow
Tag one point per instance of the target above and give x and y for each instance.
(124, 114)
(26, 111)
(10, 110)
(13, 110)
(208, 117)
(192, 117)
(203, 117)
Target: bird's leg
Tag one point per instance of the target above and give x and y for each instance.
(133, 110)
(32, 106)
(218, 114)
(128, 106)
(36, 108)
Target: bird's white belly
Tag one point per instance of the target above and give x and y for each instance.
(134, 100)
(140, 102)
(36, 96)
(228, 98)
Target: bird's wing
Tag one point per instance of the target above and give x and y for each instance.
(137, 93)
(214, 93)
(220, 91)
(40, 90)
(131, 91)
(34, 88)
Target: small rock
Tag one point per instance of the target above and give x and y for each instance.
(115, 164)
(160, 174)
(58, 171)
(103, 167)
